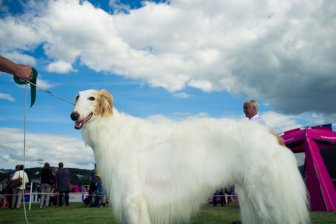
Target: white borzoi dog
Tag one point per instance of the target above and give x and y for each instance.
(160, 172)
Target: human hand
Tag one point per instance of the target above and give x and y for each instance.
(23, 72)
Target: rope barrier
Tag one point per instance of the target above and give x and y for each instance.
(35, 197)
(55, 194)
(81, 193)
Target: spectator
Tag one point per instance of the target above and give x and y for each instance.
(46, 182)
(18, 70)
(21, 174)
(63, 184)
(13, 189)
(251, 111)
(219, 194)
(53, 196)
(93, 186)
(250, 108)
(101, 192)
(228, 194)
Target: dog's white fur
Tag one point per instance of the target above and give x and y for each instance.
(159, 172)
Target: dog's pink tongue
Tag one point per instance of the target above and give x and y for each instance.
(79, 124)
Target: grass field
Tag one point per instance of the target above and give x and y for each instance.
(77, 213)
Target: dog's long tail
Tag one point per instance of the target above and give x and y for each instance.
(277, 194)
(292, 196)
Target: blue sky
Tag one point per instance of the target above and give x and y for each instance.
(174, 59)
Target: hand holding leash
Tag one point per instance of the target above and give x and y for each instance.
(32, 82)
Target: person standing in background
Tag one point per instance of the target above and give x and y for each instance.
(13, 189)
(250, 108)
(21, 188)
(251, 111)
(63, 178)
(101, 191)
(53, 192)
(93, 185)
(46, 181)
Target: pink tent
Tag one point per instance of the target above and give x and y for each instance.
(319, 145)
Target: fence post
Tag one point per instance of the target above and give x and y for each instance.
(30, 194)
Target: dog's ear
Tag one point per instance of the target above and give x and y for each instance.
(105, 103)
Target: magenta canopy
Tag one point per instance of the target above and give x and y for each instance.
(319, 145)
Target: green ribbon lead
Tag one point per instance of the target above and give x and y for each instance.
(32, 87)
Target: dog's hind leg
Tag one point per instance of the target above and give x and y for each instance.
(136, 210)
(247, 211)
(273, 192)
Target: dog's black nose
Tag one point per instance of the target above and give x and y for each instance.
(74, 116)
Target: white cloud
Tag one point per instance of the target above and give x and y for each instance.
(118, 7)
(19, 58)
(43, 84)
(17, 34)
(182, 95)
(49, 148)
(60, 67)
(6, 96)
(278, 51)
(279, 122)
(282, 122)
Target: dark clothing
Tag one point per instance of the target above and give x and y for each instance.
(63, 184)
(63, 180)
(219, 193)
(229, 191)
(65, 195)
(93, 177)
(46, 176)
(92, 199)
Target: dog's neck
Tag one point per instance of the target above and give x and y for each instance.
(99, 126)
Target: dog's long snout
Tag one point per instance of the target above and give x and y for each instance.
(74, 116)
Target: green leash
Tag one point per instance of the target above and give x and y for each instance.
(32, 87)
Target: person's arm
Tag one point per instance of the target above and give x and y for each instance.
(18, 70)
(26, 177)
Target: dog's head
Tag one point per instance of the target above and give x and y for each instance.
(90, 104)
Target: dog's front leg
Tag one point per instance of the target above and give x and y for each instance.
(136, 210)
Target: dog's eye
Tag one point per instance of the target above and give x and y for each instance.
(91, 98)
(77, 97)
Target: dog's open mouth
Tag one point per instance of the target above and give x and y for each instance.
(80, 123)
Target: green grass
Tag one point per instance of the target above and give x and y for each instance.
(77, 213)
